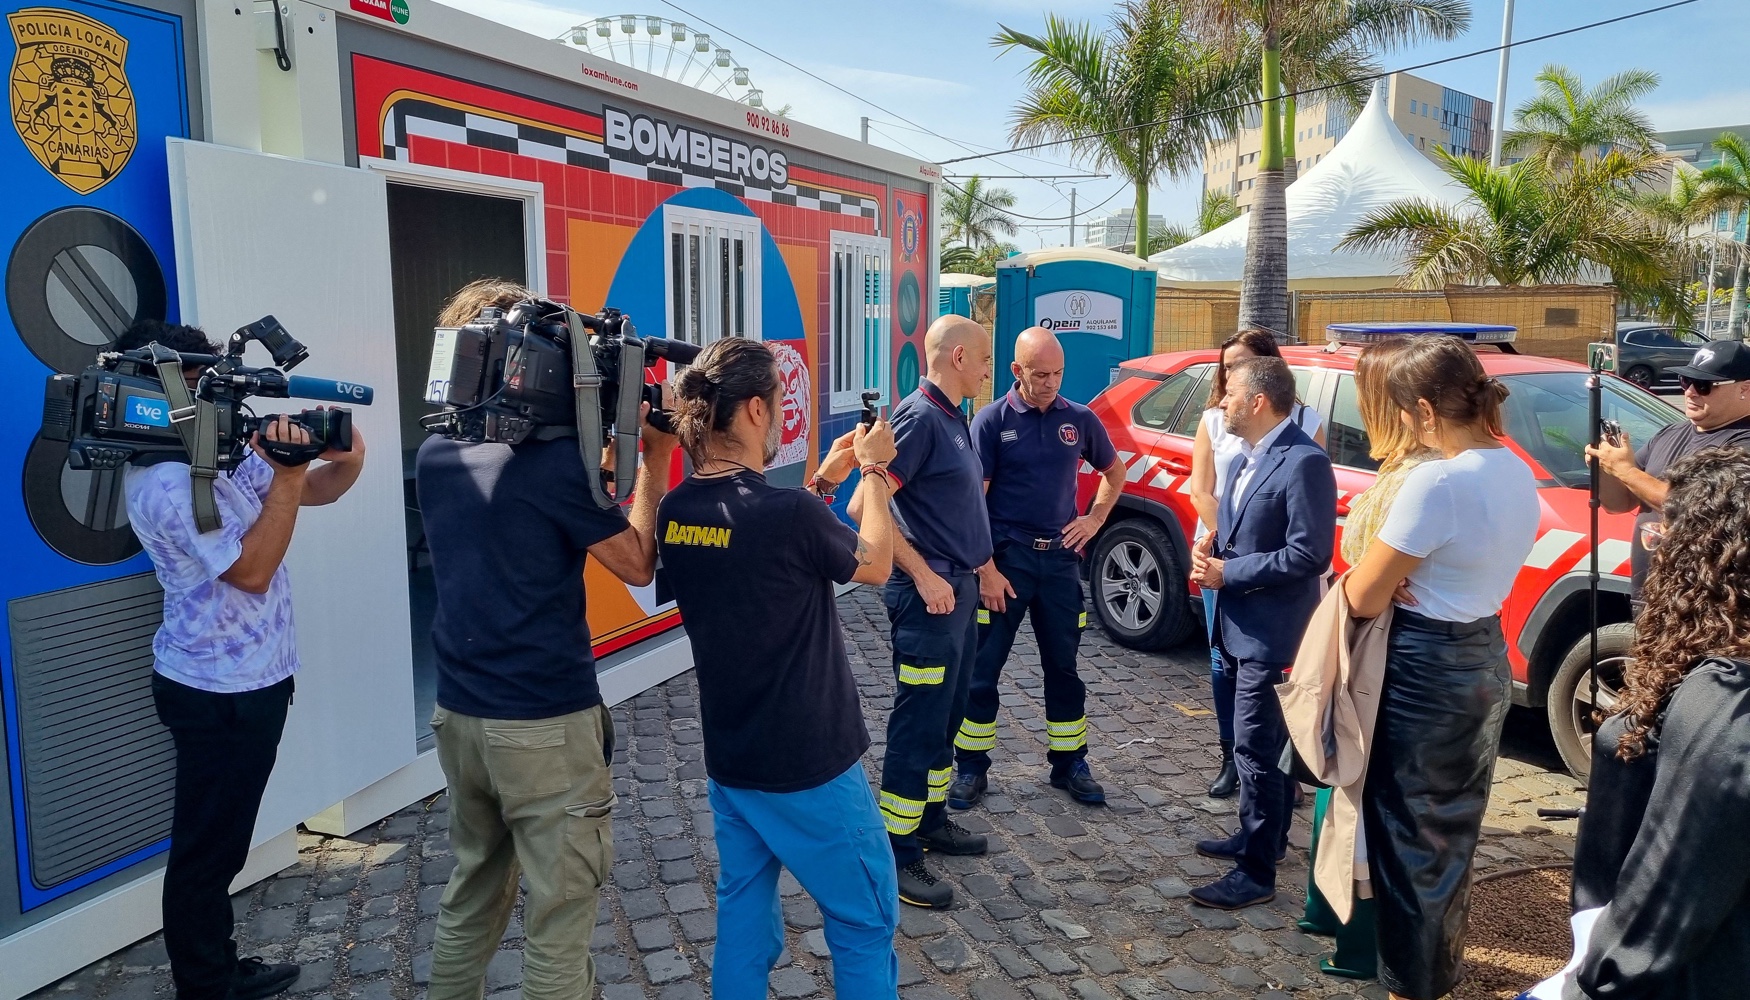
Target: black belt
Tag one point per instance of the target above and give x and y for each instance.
(942, 567)
(1037, 544)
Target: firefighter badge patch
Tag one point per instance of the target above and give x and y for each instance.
(71, 101)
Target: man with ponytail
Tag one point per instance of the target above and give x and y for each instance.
(753, 568)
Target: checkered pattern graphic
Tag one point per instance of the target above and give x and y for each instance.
(413, 117)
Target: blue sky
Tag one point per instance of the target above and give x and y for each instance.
(930, 61)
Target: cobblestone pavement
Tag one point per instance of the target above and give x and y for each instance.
(1072, 902)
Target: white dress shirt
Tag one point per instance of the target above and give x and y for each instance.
(1248, 452)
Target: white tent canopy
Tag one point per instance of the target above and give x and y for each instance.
(1372, 166)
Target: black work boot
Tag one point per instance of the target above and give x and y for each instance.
(255, 979)
(918, 886)
(1228, 781)
(1076, 779)
(967, 789)
(952, 838)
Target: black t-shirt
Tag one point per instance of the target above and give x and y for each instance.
(1658, 455)
(752, 568)
(508, 527)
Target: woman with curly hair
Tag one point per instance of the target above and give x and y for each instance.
(1661, 846)
(1391, 444)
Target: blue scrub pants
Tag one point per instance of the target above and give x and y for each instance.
(832, 839)
(1221, 681)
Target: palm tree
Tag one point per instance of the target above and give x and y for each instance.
(976, 215)
(959, 259)
(1523, 225)
(1566, 123)
(1305, 43)
(1217, 209)
(1725, 187)
(1332, 46)
(1140, 100)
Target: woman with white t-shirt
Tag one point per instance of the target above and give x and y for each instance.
(1456, 536)
(1211, 457)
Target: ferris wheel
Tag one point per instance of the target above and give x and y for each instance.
(670, 50)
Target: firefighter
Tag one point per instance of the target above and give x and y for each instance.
(931, 599)
(1031, 443)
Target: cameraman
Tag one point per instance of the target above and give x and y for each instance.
(753, 568)
(522, 734)
(222, 671)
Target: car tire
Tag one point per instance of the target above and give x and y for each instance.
(1570, 693)
(1640, 375)
(1139, 589)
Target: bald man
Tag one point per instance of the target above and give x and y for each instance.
(1030, 445)
(931, 600)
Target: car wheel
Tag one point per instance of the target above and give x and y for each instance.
(1570, 693)
(1640, 375)
(1139, 589)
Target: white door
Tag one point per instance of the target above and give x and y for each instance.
(861, 282)
(309, 243)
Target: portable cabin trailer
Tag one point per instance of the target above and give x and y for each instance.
(345, 165)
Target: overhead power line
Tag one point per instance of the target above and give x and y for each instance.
(1171, 119)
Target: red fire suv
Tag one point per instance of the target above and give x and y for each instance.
(1137, 567)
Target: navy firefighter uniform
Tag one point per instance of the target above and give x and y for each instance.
(1030, 458)
(940, 504)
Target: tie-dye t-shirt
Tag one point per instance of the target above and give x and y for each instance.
(215, 637)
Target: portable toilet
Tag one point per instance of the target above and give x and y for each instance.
(956, 292)
(1101, 304)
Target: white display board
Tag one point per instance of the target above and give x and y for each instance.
(1080, 311)
(309, 243)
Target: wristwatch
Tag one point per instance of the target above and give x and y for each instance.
(822, 488)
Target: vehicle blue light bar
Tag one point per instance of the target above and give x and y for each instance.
(1366, 333)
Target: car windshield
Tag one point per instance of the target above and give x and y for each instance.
(1546, 416)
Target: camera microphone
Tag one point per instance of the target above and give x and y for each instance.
(328, 390)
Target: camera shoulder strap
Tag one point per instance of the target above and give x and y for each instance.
(196, 421)
(586, 383)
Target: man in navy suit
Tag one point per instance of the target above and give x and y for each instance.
(1271, 547)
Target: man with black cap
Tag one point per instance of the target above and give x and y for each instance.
(1716, 399)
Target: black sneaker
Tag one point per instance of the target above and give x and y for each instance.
(255, 979)
(1079, 782)
(952, 838)
(918, 886)
(966, 790)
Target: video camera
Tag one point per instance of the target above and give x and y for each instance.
(135, 408)
(512, 375)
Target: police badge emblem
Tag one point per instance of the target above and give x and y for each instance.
(71, 102)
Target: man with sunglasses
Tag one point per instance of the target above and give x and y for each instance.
(1716, 401)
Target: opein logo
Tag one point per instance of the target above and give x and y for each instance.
(705, 536)
(71, 101)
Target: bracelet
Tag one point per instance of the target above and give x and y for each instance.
(878, 470)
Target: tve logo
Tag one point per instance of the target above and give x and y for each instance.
(147, 412)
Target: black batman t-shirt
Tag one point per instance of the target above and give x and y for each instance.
(752, 568)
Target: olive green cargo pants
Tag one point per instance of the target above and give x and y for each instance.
(528, 798)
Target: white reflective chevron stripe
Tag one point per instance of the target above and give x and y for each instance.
(1163, 479)
(1086, 468)
(1550, 547)
(1139, 470)
(1185, 487)
(1613, 555)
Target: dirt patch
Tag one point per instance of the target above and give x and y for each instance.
(1518, 933)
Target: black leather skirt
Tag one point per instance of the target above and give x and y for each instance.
(1440, 717)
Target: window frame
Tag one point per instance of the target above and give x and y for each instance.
(848, 334)
(705, 288)
(1172, 418)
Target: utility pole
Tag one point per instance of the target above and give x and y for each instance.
(1072, 217)
(1500, 123)
(865, 129)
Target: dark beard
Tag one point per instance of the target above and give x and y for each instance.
(774, 436)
